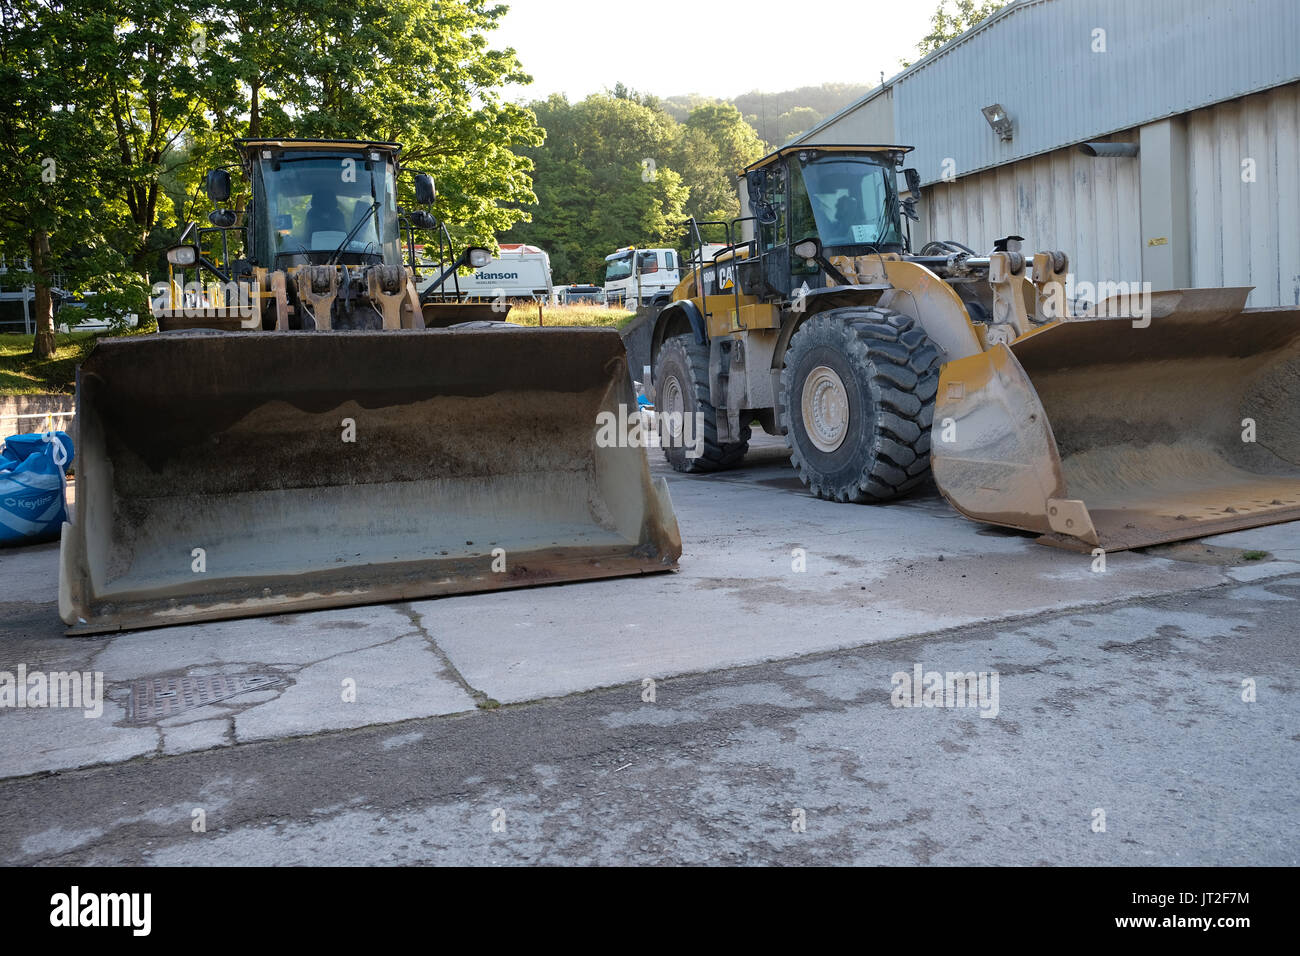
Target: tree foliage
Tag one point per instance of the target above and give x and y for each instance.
(618, 170)
(951, 19)
(778, 117)
(61, 223)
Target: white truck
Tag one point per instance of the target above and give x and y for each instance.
(519, 271)
(640, 276)
(579, 293)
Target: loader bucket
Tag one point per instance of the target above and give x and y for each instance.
(1097, 433)
(236, 474)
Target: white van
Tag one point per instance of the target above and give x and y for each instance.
(640, 276)
(519, 271)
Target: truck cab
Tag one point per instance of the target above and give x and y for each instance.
(641, 276)
(582, 293)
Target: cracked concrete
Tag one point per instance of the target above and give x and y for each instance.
(1135, 710)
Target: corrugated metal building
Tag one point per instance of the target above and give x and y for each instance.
(1207, 90)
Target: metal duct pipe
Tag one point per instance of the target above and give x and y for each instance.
(1109, 150)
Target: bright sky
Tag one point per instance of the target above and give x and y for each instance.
(715, 47)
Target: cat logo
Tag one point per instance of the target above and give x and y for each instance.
(726, 277)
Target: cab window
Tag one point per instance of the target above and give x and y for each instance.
(774, 234)
(803, 224)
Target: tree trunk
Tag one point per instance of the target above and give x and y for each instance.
(255, 112)
(44, 345)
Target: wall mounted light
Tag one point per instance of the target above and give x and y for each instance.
(999, 120)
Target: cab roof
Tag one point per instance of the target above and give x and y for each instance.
(350, 145)
(898, 151)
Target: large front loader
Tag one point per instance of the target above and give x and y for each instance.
(1149, 418)
(305, 433)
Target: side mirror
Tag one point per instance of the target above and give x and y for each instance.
(913, 179)
(421, 219)
(217, 185)
(223, 218)
(424, 191)
(808, 249)
(756, 181)
(183, 255)
(764, 212)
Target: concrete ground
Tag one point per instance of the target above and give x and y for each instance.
(705, 715)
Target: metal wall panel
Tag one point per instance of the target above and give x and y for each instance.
(870, 120)
(1036, 58)
(1247, 232)
(1085, 206)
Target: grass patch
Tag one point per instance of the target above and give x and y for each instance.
(584, 316)
(20, 374)
(1254, 555)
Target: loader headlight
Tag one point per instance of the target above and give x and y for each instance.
(183, 255)
(478, 258)
(808, 249)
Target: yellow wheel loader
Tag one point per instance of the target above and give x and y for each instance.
(304, 432)
(1149, 418)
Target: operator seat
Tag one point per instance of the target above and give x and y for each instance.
(324, 215)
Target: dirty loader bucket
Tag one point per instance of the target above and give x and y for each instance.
(1099, 434)
(233, 474)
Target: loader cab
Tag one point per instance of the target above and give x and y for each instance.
(844, 197)
(314, 204)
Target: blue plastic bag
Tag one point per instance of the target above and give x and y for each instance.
(33, 505)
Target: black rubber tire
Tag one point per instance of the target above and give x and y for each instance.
(890, 372)
(683, 359)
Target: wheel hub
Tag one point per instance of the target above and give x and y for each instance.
(825, 406)
(673, 404)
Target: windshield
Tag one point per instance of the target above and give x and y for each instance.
(311, 205)
(619, 268)
(845, 202)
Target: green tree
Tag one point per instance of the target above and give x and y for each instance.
(951, 19)
(793, 122)
(715, 145)
(55, 216)
(418, 72)
(154, 78)
(603, 179)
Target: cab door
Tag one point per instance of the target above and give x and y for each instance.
(772, 210)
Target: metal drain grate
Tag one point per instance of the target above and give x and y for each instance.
(156, 697)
